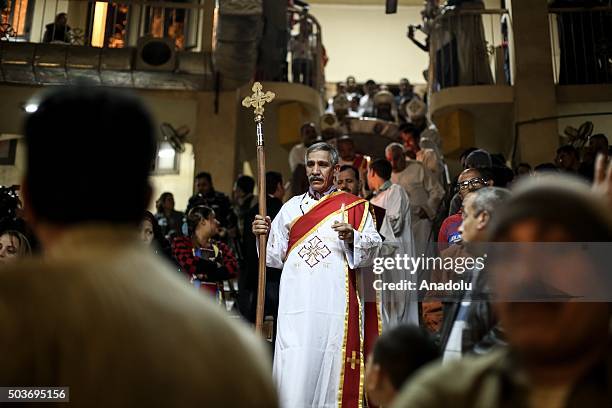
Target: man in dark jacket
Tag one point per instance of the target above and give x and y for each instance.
(469, 325)
(208, 196)
(249, 276)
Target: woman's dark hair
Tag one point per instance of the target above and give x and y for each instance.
(273, 178)
(195, 215)
(160, 244)
(158, 236)
(159, 204)
(246, 184)
(24, 244)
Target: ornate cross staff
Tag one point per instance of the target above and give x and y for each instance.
(257, 101)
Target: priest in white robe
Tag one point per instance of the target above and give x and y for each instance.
(425, 193)
(319, 238)
(399, 307)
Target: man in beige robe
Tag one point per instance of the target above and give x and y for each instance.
(424, 191)
(99, 312)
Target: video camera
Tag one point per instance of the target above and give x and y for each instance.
(9, 205)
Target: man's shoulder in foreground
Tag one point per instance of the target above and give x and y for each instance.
(466, 383)
(129, 324)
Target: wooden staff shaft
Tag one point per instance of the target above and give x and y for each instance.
(257, 101)
(261, 188)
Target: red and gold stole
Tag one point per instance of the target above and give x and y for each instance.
(326, 208)
(356, 345)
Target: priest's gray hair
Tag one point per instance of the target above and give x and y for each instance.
(325, 147)
(489, 199)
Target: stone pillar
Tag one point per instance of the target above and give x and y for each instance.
(534, 88)
(214, 142)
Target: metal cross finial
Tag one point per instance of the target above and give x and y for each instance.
(258, 100)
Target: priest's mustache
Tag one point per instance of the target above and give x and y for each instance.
(315, 178)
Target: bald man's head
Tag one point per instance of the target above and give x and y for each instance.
(471, 180)
(394, 153)
(468, 174)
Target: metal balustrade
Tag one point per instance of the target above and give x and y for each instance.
(469, 47)
(581, 42)
(103, 23)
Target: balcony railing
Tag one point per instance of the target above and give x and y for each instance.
(306, 52)
(581, 40)
(104, 23)
(469, 47)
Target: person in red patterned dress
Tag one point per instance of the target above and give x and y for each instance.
(206, 262)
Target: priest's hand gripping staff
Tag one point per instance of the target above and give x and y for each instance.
(257, 101)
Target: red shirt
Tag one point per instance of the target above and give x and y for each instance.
(183, 251)
(449, 231)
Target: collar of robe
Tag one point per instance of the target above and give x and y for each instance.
(384, 187)
(317, 196)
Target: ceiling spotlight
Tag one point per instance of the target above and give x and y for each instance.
(30, 107)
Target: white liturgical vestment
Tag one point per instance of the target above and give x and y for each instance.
(319, 351)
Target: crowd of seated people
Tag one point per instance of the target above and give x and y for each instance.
(392, 103)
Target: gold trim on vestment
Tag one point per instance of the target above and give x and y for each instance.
(335, 193)
(361, 325)
(346, 317)
(361, 359)
(377, 293)
(378, 312)
(364, 217)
